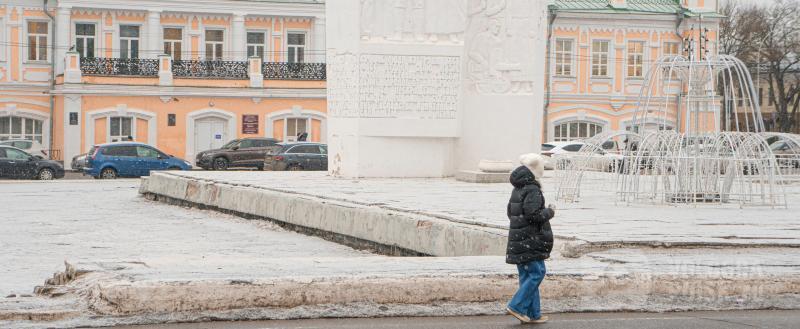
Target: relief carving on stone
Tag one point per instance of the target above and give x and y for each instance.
(413, 21)
(415, 87)
(501, 45)
(342, 85)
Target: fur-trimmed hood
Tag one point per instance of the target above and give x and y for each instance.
(535, 163)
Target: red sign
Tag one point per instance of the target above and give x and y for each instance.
(250, 124)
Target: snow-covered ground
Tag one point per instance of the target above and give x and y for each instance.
(596, 218)
(43, 224)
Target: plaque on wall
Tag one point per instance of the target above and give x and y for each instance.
(171, 120)
(250, 124)
(73, 118)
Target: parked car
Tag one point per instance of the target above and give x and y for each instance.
(557, 154)
(787, 152)
(297, 157)
(16, 163)
(129, 159)
(246, 152)
(78, 162)
(32, 147)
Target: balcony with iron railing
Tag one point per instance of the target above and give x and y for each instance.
(167, 69)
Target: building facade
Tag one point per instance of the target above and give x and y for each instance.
(600, 51)
(181, 75)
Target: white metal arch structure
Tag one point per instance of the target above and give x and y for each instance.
(718, 152)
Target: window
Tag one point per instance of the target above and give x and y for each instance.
(247, 143)
(671, 48)
(296, 45)
(172, 42)
(129, 41)
(635, 58)
(84, 39)
(599, 58)
(16, 154)
(214, 41)
(146, 152)
(572, 147)
(305, 149)
(563, 57)
(121, 151)
(37, 41)
(22, 145)
(575, 130)
(120, 128)
(20, 128)
(294, 127)
(256, 43)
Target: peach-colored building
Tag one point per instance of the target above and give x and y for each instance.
(181, 75)
(600, 51)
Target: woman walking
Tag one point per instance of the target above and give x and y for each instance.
(530, 238)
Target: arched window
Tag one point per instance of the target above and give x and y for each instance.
(576, 130)
(13, 127)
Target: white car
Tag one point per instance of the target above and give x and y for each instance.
(600, 159)
(32, 147)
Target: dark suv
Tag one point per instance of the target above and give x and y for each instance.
(298, 156)
(245, 152)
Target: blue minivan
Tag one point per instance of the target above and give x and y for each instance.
(129, 159)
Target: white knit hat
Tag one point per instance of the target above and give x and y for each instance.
(535, 163)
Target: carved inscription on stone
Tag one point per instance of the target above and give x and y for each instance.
(419, 87)
(342, 85)
(413, 21)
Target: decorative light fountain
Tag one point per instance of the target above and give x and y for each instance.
(697, 136)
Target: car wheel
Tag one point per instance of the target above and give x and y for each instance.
(108, 173)
(220, 164)
(45, 174)
(295, 168)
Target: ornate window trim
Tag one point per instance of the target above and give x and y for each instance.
(296, 112)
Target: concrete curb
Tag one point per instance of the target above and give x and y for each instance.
(422, 234)
(119, 299)
(560, 293)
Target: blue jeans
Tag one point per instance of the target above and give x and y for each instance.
(526, 300)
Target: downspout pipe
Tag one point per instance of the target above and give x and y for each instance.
(52, 76)
(679, 111)
(551, 19)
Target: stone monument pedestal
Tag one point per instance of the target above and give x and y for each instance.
(427, 88)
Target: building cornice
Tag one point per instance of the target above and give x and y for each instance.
(121, 90)
(257, 8)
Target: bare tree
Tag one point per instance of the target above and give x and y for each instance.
(780, 46)
(738, 31)
(768, 35)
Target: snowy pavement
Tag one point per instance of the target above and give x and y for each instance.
(44, 224)
(596, 218)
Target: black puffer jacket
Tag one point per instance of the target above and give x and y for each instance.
(529, 237)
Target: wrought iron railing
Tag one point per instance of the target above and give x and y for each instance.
(119, 66)
(293, 71)
(209, 69)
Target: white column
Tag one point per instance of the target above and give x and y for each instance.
(72, 132)
(318, 40)
(256, 77)
(63, 40)
(153, 35)
(238, 36)
(164, 70)
(72, 67)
